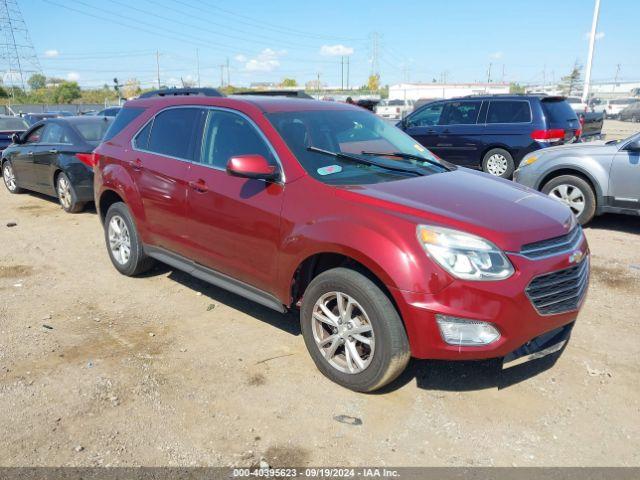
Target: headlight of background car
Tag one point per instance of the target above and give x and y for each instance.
(464, 255)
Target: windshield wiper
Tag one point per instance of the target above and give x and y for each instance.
(408, 156)
(364, 161)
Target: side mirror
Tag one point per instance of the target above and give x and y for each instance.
(15, 138)
(252, 166)
(403, 123)
(633, 147)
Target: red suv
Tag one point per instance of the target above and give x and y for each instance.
(387, 251)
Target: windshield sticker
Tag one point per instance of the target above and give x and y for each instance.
(329, 170)
(419, 147)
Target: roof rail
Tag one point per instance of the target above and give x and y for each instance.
(168, 92)
(276, 93)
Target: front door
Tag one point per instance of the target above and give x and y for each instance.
(424, 125)
(624, 180)
(234, 223)
(460, 139)
(22, 158)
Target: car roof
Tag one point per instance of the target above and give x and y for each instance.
(267, 104)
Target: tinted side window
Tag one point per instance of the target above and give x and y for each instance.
(55, 133)
(124, 118)
(175, 133)
(461, 113)
(429, 115)
(509, 112)
(142, 139)
(227, 135)
(35, 135)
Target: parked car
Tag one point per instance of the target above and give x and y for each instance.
(492, 132)
(613, 107)
(591, 124)
(8, 126)
(54, 157)
(590, 178)
(394, 108)
(109, 112)
(368, 103)
(630, 113)
(577, 104)
(33, 118)
(387, 251)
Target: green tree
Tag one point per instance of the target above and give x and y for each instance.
(289, 82)
(37, 81)
(66, 92)
(373, 84)
(572, 83)
(516, 88)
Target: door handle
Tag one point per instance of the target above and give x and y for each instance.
(53, 151)
(136, 165)
(199, 186)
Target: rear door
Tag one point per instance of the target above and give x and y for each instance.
(163, 150)
(559, 115)
(424, 124)
(56, 139)
(624, 179)
(460, 139)
(234, 222)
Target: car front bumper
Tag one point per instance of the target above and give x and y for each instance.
(503, 304)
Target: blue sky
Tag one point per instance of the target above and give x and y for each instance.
(92, 41)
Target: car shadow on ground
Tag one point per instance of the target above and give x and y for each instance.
(89, 208)
(621, 223)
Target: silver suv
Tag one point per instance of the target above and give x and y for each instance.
(591, 178)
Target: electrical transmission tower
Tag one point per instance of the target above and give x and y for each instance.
(18, 59)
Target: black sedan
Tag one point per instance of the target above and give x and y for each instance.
(54, 157)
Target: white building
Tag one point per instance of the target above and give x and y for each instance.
(416, 91)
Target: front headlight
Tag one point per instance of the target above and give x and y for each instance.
(464, 255)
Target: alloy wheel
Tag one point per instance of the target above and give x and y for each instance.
(9, 177)
(119, 240)
(343, 332)
(497, 164)
(64, 192)
(570, 195)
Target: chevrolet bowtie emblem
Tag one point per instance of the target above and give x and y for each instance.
(576, 257)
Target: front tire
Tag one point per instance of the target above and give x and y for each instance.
(574, 192)
(9, 177)
(67, 195)
(498, 162)
(123, 243)
(352, 330)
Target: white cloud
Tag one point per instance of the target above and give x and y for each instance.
(73, 76)
(335, 50)
(240, 58)
(599, 35)
(51, 53)
(265, 61)
(496, 55)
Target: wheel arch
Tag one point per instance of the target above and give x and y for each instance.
(576, 172)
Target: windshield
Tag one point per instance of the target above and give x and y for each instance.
(350, 132)
(13, 124)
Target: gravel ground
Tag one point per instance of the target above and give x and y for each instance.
(99, 369)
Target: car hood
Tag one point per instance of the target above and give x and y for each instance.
(508, 214)
(578, 149)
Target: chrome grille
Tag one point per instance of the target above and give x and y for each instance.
(560, 291)
(553, 246)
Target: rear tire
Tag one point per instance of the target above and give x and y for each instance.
(9, 177)
(123, 243)
(498, 162)
(361, 345)
(576, 193)
(67, 195)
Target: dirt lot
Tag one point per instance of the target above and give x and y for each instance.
(100, 369)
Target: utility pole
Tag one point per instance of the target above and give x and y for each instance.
(318, 84)
(375, 46)
(198, 66)
(348, 72)
(592, 44)
(615, 79)
(489, 73)
(221, 75)
(158, 67)
(228, 73)
(502, 79)
(342, 72)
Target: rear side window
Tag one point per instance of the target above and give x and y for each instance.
(124, 118)
(509, 112)
(557, 111)
(461, 113)
(142, 139)
(176, 133)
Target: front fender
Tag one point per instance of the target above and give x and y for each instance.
(596, 172)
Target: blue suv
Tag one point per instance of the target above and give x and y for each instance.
(492, 132)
